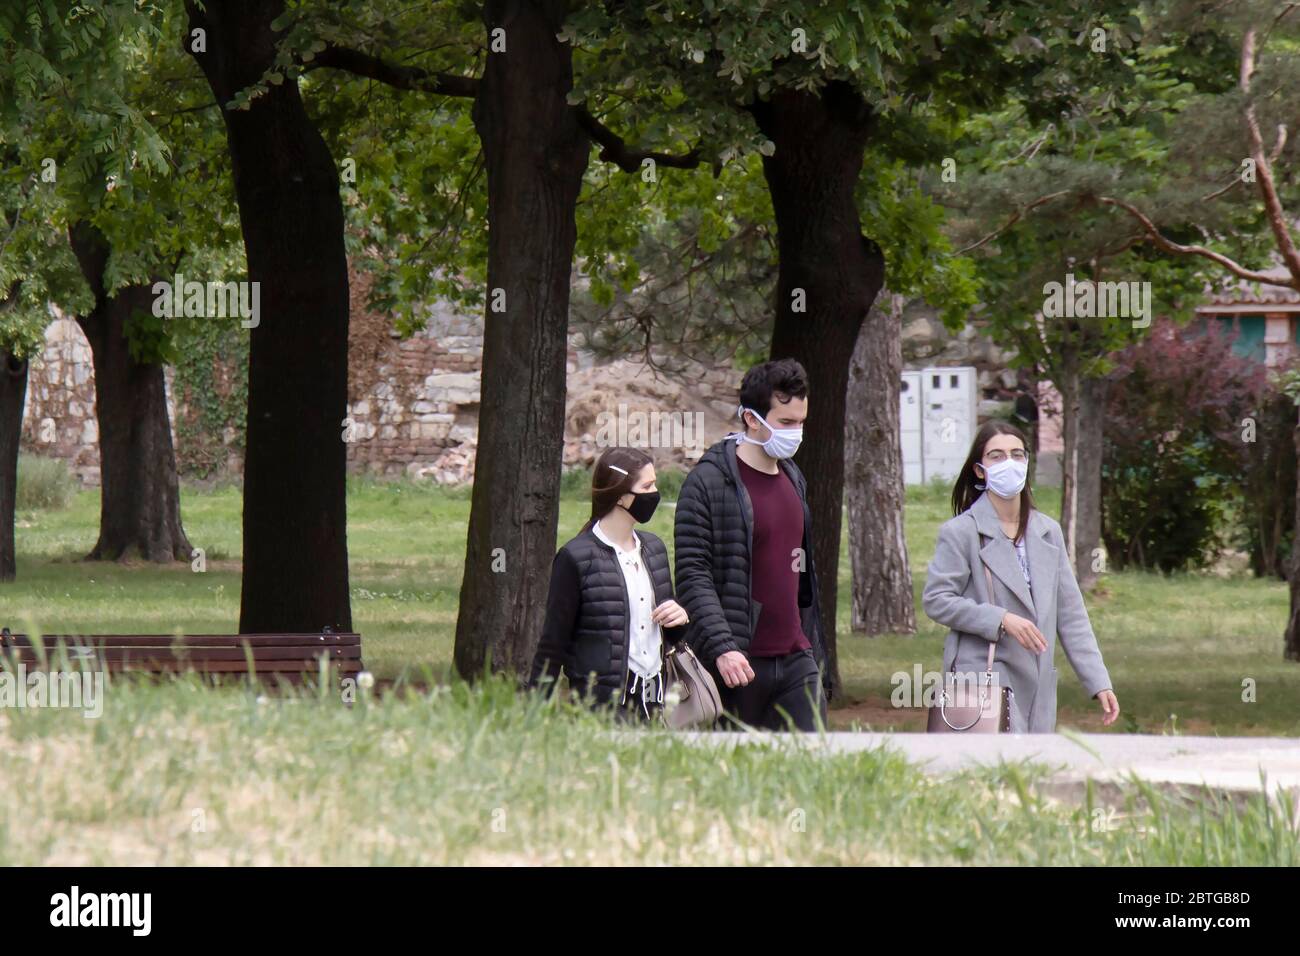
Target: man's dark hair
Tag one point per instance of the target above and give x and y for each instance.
(784, 378)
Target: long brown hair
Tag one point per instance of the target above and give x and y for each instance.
(608, 485)
(966, 490)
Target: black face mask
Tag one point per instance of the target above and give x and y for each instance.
(644, 504)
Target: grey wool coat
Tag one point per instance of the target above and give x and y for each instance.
(956, 596)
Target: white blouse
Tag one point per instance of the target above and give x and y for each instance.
(644, 637)
(1022, 555)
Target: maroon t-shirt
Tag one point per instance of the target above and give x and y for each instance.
(778, 533)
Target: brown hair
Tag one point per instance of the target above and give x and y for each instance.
(966, 491)
(608, 485)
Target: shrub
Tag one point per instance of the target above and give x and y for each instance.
(1269, 483)
(1174, 453)
(43, 484)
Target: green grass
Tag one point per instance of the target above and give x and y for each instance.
(1178, 647)
(178, 774)
(44, 483)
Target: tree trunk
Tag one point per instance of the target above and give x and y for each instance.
(139, 503)
(883, 602)
(13, 389)
(829, 276)
(535, 155)
(1291, 643)
(295, 506)
(1083, 405)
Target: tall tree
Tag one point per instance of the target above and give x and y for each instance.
(51, 69)
(1228, 169)
(140, 507)
(89, 138)
(535, 147)
(823, 85)
(295, 515)
(1024, 207)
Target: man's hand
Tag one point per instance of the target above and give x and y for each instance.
(734, 668)
(1024, 631)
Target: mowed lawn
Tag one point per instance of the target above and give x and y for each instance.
(1183, 650)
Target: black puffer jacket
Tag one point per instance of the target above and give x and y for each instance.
(585, 633)
(713, 538)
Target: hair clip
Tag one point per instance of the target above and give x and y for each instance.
(618, 469)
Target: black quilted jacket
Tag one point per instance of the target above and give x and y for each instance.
(585, 633)
(713, 537)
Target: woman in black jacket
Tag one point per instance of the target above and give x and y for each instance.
(610, 611)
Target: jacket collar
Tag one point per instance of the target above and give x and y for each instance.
(599, 534)
(999, 553)
(723, 455)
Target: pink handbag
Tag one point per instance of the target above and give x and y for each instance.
(958, 714)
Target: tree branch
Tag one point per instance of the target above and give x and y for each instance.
(1020, 214)
(615, 150)
(1168, 245)
(613, 147)
(1263, 168)
(399, 77)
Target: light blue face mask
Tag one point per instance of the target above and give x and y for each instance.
(1006, 479)
(783, 443)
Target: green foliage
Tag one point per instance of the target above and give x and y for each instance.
(44, 484)
(211, 382)
(148, 337)
(103, 119)
(1174, 459)
(1268, 492)
(1155, 122)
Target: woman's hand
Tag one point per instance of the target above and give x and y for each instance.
(1109, 707)
(669, 614)
(1024, 631)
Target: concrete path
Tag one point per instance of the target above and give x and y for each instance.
(1239, 765)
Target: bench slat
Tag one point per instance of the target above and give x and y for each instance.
(188, 640)
(29, 655)
(229, 667)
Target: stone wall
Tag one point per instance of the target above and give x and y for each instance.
(419, 412)
(414, 404)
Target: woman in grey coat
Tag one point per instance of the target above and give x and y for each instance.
(1035, 598)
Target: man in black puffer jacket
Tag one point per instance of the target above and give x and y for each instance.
(744, 565)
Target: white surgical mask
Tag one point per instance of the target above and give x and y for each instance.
(1006, 479)
(783, 443)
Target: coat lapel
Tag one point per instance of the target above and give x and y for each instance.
(1000, 554)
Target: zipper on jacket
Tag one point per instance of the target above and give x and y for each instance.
(746, 515)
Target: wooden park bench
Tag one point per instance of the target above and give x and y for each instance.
(285, 658)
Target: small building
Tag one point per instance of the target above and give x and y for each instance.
(1265, 317)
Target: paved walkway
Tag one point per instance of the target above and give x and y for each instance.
(1222, 763)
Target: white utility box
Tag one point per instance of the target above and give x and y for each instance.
(937, 416)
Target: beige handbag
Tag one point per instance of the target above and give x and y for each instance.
(691, 700)
(957, 714)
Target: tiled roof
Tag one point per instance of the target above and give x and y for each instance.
(1239, 292)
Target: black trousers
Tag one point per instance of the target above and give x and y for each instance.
(641, 701)
(785, 694)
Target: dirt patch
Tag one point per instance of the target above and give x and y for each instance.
(876, 713)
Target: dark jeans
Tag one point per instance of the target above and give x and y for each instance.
(785, 690)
